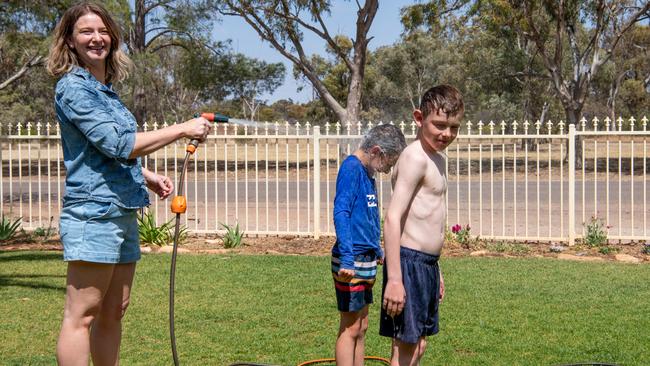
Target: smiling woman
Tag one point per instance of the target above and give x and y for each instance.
(92, 43)
(105, 181)
(89, 37)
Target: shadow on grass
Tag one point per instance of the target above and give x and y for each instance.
(31, 280)
(29, 256)
(21, 280)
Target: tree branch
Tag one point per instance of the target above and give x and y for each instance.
(167, 31)
(170, 44)
(301, 61)
(157, 4)
(36, 60)
(331, 42)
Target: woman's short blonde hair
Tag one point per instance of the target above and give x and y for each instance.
(62, 58)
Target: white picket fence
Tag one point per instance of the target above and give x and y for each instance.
(508, 181)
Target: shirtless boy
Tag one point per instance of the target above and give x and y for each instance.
(414, 228)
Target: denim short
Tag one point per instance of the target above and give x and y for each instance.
(421, 278)
(100, 232)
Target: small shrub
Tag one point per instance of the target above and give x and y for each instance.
(449, 236)
(233, 236)
(646, 248)
(8, 228)
(501, 247)
(462, 234)
(595, 233)
(152, 234)
(44, 234)
(607, 250)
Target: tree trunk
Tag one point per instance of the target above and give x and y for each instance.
(573, 119)
(138, 47)
(613, 91)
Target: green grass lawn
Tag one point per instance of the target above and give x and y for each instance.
(281, 311)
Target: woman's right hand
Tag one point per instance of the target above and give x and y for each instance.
(197, 128)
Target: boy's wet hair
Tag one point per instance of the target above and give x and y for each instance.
(442, 97)
(388, 137)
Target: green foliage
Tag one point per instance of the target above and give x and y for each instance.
(482, 47)
(233, 236)
(595, 233)
(462, 234)
(411, 66)
(449, 236)
(428, 15)
(8, 228)
(607, 250)
(510, 248)
(42, 234)
(646, 248)
(152, 234)
(30, 96)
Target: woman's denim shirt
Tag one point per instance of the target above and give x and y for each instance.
(98, 135)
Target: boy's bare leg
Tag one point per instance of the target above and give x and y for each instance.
(350, 343)
(106, 331)
(86, 285)
(407, 354)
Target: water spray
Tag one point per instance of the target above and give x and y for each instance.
(179, 206)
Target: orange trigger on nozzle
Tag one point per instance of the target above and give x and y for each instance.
(179, 204)
(208, 116)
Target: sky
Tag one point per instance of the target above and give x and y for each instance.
(385, 29)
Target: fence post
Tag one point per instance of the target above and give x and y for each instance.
(572, 183)
(316, 144)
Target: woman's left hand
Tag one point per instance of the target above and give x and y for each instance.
(160, 184)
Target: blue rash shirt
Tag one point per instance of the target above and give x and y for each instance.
(356, 213)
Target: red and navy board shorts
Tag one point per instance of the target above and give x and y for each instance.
(353, 295)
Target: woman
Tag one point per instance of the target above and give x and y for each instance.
(105, 182)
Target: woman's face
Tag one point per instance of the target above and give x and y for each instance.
(91, 40)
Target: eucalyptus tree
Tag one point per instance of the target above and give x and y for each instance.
(156, 25)
(484, 64)
(26, 91)
(571, 39)
(405, 70)
(283, 24)
(254, 77)
(628, 75)
(26, 25)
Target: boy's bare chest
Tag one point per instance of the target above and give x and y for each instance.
(435, 178)
(434, 182)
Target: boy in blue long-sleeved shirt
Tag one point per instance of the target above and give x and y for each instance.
(357, 250)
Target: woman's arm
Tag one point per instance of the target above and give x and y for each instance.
(148, 142)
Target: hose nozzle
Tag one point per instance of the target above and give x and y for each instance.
(212, 117)
(215, 117)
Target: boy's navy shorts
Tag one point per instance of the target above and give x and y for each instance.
(421, 278)
(352, 296)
